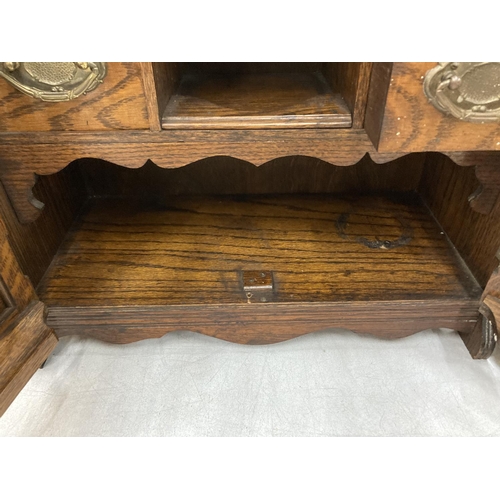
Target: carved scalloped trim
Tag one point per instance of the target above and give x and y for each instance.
(244, 335)
(19, 180)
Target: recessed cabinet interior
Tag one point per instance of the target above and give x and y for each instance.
(260, 95)
(151, 249)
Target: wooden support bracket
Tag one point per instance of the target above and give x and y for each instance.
(484, 199)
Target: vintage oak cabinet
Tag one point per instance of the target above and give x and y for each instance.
(253, 202)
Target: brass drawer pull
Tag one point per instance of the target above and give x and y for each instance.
(54, 82)
(468, 91)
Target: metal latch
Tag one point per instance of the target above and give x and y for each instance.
(258, 286)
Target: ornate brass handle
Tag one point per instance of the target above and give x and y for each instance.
(468, 91)
(54, 82)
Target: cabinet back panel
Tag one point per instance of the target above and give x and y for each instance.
(226, 175)
(247, 68)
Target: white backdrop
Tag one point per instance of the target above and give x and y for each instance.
(331, 383)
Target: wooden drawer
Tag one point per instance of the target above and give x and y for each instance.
(118, 103)
(400, 117)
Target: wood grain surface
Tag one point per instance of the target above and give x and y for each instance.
(352, 81)
(118, 103)
(376, 100)
(24, 345)
(264, 323)
(160, 81)
(410, 123)
(321, 249)
(16, 287)
(276, 100)
(446, 188)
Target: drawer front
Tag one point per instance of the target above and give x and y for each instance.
(118, 103)
(401, 117)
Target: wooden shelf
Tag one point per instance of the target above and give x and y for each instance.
(351, 262)
(248, 101)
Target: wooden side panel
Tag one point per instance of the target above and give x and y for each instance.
(410, 123)
(35, 244)
(376, 100)
(446, 187)
(351, 79)
(160, 81)
(24, 345)
(116, 104)
(25, 339)
(17, 290)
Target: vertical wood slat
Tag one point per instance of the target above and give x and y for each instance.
(159, 81)
(18, 287)
(352, 80)
(363, 84)
(376, 100)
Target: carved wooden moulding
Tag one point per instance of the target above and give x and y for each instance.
(54, 81)
(19, 179)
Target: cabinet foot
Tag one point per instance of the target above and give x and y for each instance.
(482, 340)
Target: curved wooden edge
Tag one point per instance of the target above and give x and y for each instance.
(262, 323)
(19, 180)
(245, 335)
(345, 149)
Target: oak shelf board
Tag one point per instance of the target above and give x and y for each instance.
(252, 101)
(321, 249)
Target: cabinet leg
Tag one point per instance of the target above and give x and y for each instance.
(482, 341)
